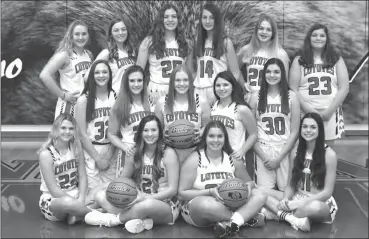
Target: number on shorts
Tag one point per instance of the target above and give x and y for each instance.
(255, 76)
(168, 66)
(66, 181)
(206, 68)
(314, 84)
(102, 130)
(277, 125)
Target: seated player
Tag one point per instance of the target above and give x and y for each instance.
(155, 169)
(308, 195)
(63, 173)
(203, 206)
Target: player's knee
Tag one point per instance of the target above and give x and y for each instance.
(258, 195)
(208, 206)
(100, 196)
(314, 206)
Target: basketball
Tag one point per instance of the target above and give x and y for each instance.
(181, 134)
(234, 191)
(121, 192)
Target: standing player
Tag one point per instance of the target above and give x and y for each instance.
(213, 52)
(92, 115)
(164, 49)
(320, 80)
(120, 53)
(155, 169)
(203, 171)
(232, 110)
(63, 173)
(309, 192)
(182, 103)
(71, 60)
(130, 107)
(263, 45)
(277, 113)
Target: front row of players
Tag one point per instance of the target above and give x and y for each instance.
(166, 188)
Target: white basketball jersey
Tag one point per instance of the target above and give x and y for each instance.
(160, 68)
(273, 125)
(148, 184)
(255, 70)
(233, 123)
(97, 128)
(209, 175)
(65, 170)
(128, 132)
(208, 67)
(318, 85)
(118, 67)
(71, 77)
(180, 112)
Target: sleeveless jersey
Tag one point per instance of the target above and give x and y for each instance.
(255, 70)
(128, 132)
(232, 121)
(118, 67)
(71, 77)
(97, 128)
(273, 125)
(208, 67)
(209, 175)
(318, 85)
(148, 184)
(160, 68)
(65, 170)
(180, 112)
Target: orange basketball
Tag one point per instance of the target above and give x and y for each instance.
(181, 134)
(234, 191)
(121, 192)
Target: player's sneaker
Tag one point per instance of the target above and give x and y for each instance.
(97, 218)
(138, 225)
(223, 229)
(301, 223)
(257, 221)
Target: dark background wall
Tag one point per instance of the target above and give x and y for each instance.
(31, 31)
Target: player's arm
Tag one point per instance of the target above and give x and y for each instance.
(143, 52)
(294, 128)
(289, 191)
(294, 84)
(129, 167)
(171, 164)
(58, 61)
(249, 122)
(343, 89)
(114, 131)
(47, 170)
(158, 110)
(205, 116)
(240, 171)
(232, 62)
(82, 177)
(190, 60)
(285, 59)
(103, 55)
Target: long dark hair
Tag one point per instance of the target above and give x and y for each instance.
(236, 87)
(140, 150)
(317, 167)
(215, 124)
(329, 55)
(218, 35)
(112, 45)
(90, 88)
(157, 33)
(283, 88)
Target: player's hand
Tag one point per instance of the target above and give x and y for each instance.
(71, 96)
(141, 196)
(197, 135)
(237, 155)
(214, 192)
(283, 205)
(130, 150)
(294, 204)
(166, 137)
(273, 163)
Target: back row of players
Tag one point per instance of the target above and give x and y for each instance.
(318, 82)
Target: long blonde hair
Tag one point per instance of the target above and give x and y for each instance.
(74, 143)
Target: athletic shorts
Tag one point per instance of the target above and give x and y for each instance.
(155, 91)
(45, 202)
(63, 106)
(174, 205)
(334, 127)
(185, 212)
(333, 208)
(94, 175)
(207, 93)
(271, 178)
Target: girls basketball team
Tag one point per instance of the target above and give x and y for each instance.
(237, 103)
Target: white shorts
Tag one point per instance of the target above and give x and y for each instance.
(271, 178)
(333, 208)
(174, 205)
(155, 91)
(206, 93)
(185, 212)
(47, 198)
(334, 127)
(94, 175)
(63, 106)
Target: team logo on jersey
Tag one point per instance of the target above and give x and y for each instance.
(192, 117)
(318, 68)
(228, 122)
(84, 65)
(125, 61)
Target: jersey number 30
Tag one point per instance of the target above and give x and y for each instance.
(276, 125)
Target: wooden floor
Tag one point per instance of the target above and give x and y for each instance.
(21, 217)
